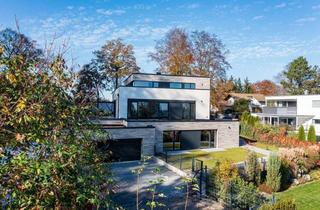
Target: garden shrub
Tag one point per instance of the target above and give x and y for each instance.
(253, 168)
(282, 204)
(300, 160)
(301, 133)
(312, 134)
(242, 194)
(273, 178)
(220, 176)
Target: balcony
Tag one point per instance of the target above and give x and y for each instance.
(279, 110)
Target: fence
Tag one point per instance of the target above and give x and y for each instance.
(205, 179)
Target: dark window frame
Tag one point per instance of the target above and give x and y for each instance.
(192, 109)
(159, 84)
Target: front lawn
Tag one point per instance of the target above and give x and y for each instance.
(270, 147)
(209, 158)
(307, 196)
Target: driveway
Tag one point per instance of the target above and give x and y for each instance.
(175, 199)
(127, 184)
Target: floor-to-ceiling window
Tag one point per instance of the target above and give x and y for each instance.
(160, 109)
(191, 139)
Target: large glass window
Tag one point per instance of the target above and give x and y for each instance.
(154, 84)
(133, 113)
(177, 85)
(154, 109)
(142, 84)
(163, 110)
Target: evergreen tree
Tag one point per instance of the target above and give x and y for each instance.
(301, 134)
(238, 86)
(253, 169)
(273, 173)
(247, 86)
(312, 134)
(300, 77)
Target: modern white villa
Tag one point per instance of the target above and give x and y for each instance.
(293, 111)
(156, 112)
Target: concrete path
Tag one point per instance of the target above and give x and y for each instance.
(265, 152)
(181, 152)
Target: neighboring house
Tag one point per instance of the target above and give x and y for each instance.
(156, 112)
(256, 101)
(292, 111)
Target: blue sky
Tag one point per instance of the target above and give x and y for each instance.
(262, 35)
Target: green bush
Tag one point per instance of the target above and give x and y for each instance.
(273, 178)
(312, 134)
(285, 204)
(301, 134)
(242, 194)
(253, 168)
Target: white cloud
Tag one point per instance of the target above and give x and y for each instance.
(70, 7)
(316, 6)
(307, 19)
(282, 5)
(258, 17)
(109, 12)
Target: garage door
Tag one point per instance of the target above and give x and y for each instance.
(125, 149)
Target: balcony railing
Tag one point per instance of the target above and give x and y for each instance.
(280, 110)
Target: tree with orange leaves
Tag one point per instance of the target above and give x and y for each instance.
(173, 53)
(265, 87)
(219, 94)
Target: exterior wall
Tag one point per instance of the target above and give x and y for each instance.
(304, 103)
(227, 131)
(146, 134)
(201, 97)
(201, 82)
(304, 112)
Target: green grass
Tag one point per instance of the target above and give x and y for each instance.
(307, 196)
(209, 158)
(270, 147)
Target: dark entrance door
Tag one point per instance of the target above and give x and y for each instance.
(124, 149)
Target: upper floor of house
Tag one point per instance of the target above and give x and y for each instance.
(308, 105)
(166, 97)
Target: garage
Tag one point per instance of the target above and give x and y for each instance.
(122, 149)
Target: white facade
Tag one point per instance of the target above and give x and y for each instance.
(304, 109)
(201, 98)
(199, 94)
(306, 104)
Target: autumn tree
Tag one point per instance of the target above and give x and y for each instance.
(208, 54)
(265, 87)
(299, 77)
(115, 60)
(15, 44)
(89, 84)
(198, 53)
(47, 156)
(220, 93)
(173, 53)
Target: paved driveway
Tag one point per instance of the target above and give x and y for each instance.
(175, 199)
(127, 184)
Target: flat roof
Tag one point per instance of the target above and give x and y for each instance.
(169, 75)
(290, 96)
